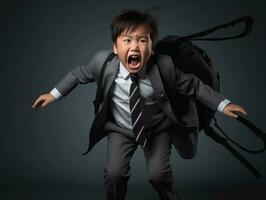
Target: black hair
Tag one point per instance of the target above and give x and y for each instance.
(129, 20)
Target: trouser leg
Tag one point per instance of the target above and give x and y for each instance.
(117, 172)
(185, 144)
(157, 154)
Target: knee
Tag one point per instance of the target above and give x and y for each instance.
(158, 177)
(115, 172)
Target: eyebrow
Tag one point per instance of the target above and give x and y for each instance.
(141, 36)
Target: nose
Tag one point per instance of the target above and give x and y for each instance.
(134, 46)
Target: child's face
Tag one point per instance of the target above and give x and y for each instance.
(134, 48)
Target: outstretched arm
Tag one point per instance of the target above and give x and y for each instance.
(79, 75)
(190, 85)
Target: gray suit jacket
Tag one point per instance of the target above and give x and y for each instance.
(188, 87)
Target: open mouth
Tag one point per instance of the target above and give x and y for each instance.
(134, 60)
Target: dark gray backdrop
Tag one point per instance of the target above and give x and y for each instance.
(42, 40)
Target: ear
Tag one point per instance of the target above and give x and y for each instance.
(152, 49)
(114, 48)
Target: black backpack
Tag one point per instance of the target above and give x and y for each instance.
(190, 58)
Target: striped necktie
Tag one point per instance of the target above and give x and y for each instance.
(135, 112)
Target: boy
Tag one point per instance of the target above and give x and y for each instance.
(135, 108)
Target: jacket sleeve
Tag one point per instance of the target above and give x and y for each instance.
(82, 74)
(190, 85)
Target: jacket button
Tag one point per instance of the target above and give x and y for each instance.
(162, 97)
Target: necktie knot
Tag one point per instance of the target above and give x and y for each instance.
(134, 78)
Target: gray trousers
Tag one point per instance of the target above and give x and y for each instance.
(157, 151)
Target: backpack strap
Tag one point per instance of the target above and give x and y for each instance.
(99, 92)
(224, 141)
(248, 27)
(250, 126)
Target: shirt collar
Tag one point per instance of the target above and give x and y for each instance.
(125, 74)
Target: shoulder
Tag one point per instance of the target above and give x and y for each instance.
(163, 59)
(100, 56)
(98, 59)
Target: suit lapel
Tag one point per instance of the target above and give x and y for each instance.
(110, 74)
(159, 91)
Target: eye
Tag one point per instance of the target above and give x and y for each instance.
(143, 41)
(126, 40)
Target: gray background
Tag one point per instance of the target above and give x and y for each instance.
(40, 152)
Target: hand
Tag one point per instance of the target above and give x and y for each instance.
(43, 100)
(231, 110)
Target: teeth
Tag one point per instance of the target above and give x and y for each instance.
(134, 56)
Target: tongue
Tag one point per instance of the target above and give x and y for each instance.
(134, 62)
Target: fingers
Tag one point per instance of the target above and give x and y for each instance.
(239, 109)
(233, 110)
(232, 114)
(34, 106)
(44, 103)
(37, 103)
(41, 101)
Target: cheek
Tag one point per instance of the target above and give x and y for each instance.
(147, 53)
(122, 55)
(122, 50)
